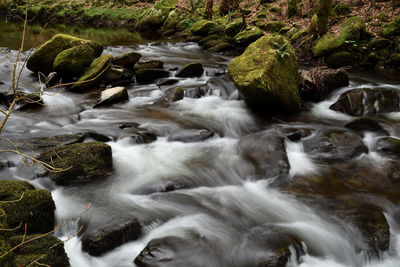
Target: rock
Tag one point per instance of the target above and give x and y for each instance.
(53, 79)
(167, 82)
(172, 20)
(94, 73)
(118, 74)
(339, 59)
(35, 207)
(190, 70)
(264, 154)
(208, 38)
(295, 134)
(366, 101)
(364, 124)
(392, 28)
(388, 145)
(211, 43)
(334, 145)
(174, 94)
(353, 29)
(203, 27)
(50, 141)
(291, 8)
(234, 27)
(4, 164)
(274, 26)
(190, 136)
(82, 162)
(142, 137)
(103, 240)
(97, 136)
(73, 62)
(112, 96)
(194, 38)
(317, 83)
(196, 92)
(127, 60)
(151, 64)
(273, 85)
(50, 247)
(146, 76)
(247, 36)
(43, 58)
(221, 47)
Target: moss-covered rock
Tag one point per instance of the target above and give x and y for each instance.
(274, 26)
(174, 94)
(291, 8)
(234, 27)
(247, 36)
(82, 162)
(190, 70)
(43, 58)
(203, 27)
(94, 73)
(339, 59)
(74, 61)
(112, 96)
(353, 29)
(127, 60)
(221, 47)
(319, 21)
(342, 9)
(392, 28)
(33, 207)
(171, 21)
(150, 64)
(266, 75)
(48, 248)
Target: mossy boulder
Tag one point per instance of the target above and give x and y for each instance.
(353, 29)
(266, 75)
(247, 36)
(74, 61)
(82, 162)
(234, 27)
(48, 248)
(127, 60)
(203, 27)
(33, 207)
(221, 47)
(190, 70)
(339, 59)
(150, 64)
(94, 73)
(274, 26)
(171, 21)
(42, 60)
(392, 28)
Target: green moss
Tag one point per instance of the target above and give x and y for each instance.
(274, 9)
(274, 26)
(74, 61)
(298, 35)
(342, 9)
(234, 27)
(42, 60)
(94, 73)
(392, 28)
(383, 16)
(247, 36)
(172, 20)
(203, 27)
(292, 8)
(266, 75)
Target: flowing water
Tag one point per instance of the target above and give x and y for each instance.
(228, 207)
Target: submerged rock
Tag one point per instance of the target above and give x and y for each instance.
(127, 60)
(112, 96)
(364, 124)
(43, 58)
(191, 136)
(146, 76)
(73, 62)
(266, 75)
(388, 145)
(151, 64)
(82, 162)
(190, 70)
(366, 101)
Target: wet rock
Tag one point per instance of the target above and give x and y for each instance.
(190, 70)
(142, 137)
(221, 47)
(28, 101)
(272, 86)
(112, 96)
(317, 83)
(146, 76)
(364, 124)
(167, 82)
(203, 27)
(190, 136)
(247, 36)
(295, 134)
(43, 58)
(33, 207)
(106, 239)
(129, 125)
(196, 92)
(366, 101)
(82, 162)
(73, 62)
(174, 94)
(94, 73)
(4, 164)
(98, 137)
(334, 145)
(208, 38)
(127, 60)
(194, 38)
(117, 74)
(151, 64)
(46, 142)
(388, 145)
(264, 154)
(49, 246)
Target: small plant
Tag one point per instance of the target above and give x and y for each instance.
(281, 50)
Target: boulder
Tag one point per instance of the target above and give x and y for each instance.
(392, 28)
(82, 162)
(94, 73)
(167, 82)
(234, 27)
(266, 75)
(38, 143)
(33, 207)
(42, 59)
(190, 70)
(171, 21)
(247, 36)
(151, 64)
(103, 240)
(317, 83)
(367, 101)
(208, 38)
(112, 96)
(364, 124)
(221, 47)
(174, 94)
(203, 27)
(127, 60)
(146, 76)
(190, 136)
(388, 145)
(73, 62)
(274, 26)
(339, 59)
(142, 137)
(118, 75)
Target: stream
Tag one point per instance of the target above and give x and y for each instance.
(230, 200)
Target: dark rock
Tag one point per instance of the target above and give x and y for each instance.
(106, 239)
(295, 134)
(142, 137)
(190, 70)
(53, 79)
(191, 136)
(118, 74)
(129, 125)
(366, 101)
(167, 82)
(194, 38)
(174, 94)
(112, 96)
(98, 137)
(334, 145)
(82, 162)
(388, 145)
(146, 76)
(221, 47)
(208, 38)
(196, 92)
(46, 142)
(203, 27)
(317, 83)
(151, 64)
(340, 59)
(264, 154)
(4, 164)
(364, 124)
(127, 60)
